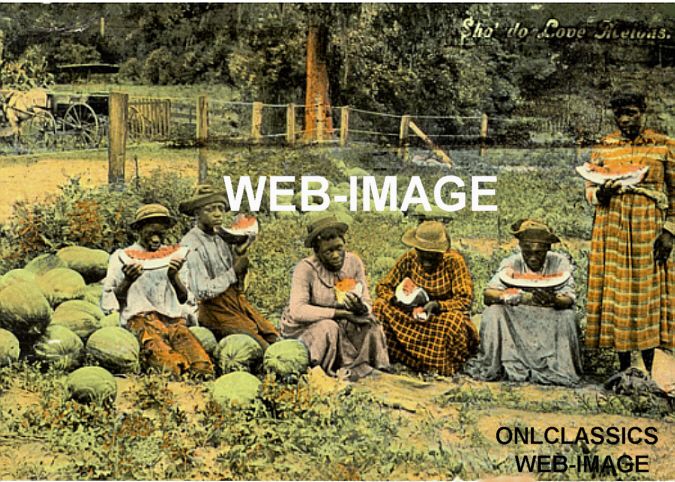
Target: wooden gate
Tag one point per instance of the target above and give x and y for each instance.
(149, 118)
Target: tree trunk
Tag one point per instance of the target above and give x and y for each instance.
(317, 83)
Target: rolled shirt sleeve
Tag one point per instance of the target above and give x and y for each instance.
(201, 284)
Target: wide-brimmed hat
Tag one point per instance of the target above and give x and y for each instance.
(152, 212)
(428, 236)
(321, 224)
(531, 230)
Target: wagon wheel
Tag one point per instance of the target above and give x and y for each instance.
(81, 124)
(135, 126)
(39, 132)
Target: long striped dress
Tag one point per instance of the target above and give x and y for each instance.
(631, 302)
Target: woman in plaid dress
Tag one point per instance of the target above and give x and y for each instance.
(631, 282)
(447, 338)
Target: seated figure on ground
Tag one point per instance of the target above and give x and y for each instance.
(437, 336)
(330, 309)
(529, 333)
(218, 264)
(151, 302)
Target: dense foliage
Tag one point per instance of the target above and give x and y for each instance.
(399, 58)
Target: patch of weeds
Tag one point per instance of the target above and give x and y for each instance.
(153, 392)
(348, 436)
(480, 397)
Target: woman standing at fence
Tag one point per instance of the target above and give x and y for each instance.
(631, 284)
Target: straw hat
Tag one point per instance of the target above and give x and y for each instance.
(204, 194)
(428, 236)
(321, 224)
(152, 212)
(531, 230)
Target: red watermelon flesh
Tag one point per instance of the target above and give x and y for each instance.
(408, 286)
(614, 170)
(244, 222)
(536, 276)
(162, 252)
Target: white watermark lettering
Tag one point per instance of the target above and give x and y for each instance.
(448, 193)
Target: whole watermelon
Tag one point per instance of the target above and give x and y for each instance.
(43, 263)
(238, 353)
(116, 349)
(9, 348)
(24, 310)
(93, 293)
(113, 319)
(81, 317)
(92, 264)
(239, 389)
(92, 384)
(16, 275)
(61, 284)
(59, 347)
(285, 358)
(205, 337)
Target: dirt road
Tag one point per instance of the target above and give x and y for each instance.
(31, 179)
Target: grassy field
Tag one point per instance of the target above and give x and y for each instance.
(391, 426)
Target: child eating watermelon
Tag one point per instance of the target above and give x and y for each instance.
(146, 283)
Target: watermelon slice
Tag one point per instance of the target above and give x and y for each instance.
(419, 314)
(243, 225)
(409, 294)
(627, 174)
(347, 285)
(153, 259)
(510, 294)
(534, 280)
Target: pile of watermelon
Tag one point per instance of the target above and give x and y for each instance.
(49, 313)
(50, 310)
(240, 357)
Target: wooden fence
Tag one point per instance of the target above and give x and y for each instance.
(177, 120)
(150, 118)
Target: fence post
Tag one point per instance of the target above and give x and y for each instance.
(290, 124)
(320, 118)
(117, 137)
(344, 125)
(202, 136)
(403, 136)
(256, 121)
(483, 133)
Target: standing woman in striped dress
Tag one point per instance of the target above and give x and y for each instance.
(631, 283)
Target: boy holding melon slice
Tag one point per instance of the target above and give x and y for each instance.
(147, 284)
(218, 266)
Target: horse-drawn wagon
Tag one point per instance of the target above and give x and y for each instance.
(40, 119)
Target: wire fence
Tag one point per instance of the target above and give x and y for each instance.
(178, 120)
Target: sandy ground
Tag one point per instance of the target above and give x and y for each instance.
(31, 179)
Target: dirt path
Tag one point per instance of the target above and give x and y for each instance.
(31, 179)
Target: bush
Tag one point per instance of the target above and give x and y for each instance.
(96, 218)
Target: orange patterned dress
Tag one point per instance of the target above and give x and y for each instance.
(444, 341)
(630, 298)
